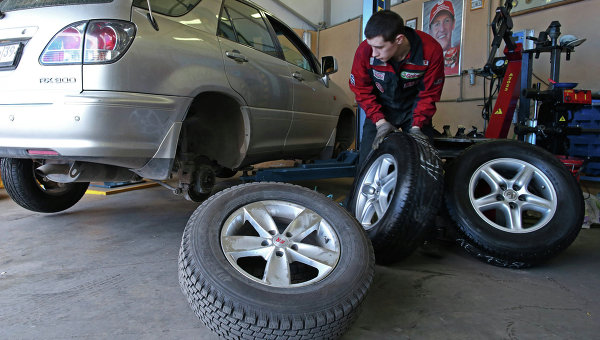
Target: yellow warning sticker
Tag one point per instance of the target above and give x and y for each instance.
(499, 112)
(562, 119)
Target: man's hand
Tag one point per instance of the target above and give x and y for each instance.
(416, 132)
(384, 128)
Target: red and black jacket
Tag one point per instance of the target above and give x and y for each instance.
(410, 90)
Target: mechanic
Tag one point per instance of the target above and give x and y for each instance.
(397, 76)
(441, 26)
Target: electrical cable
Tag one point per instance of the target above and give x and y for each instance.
(540, 79)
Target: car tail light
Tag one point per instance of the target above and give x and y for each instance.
(105, 41)
(65, 47)
(94, 42)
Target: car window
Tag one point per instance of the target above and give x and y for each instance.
(294, 49)
(225, 29)
(244, 24)
(172, 8)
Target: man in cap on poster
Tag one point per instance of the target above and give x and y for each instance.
(441, 25)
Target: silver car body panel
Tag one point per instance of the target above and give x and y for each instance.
(314, 110)
(267, 85)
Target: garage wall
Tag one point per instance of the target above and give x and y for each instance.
(460, 101)
(341, 42)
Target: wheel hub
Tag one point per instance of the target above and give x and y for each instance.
(280, 241)
(510, 195)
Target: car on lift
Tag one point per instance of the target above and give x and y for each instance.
(115, 90)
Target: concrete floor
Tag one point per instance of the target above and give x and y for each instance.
(107, 269)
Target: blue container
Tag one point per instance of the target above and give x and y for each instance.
(588, 117)
(591, 168)
(587, 144)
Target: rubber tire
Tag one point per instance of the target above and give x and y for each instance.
(227, 302)
(417, 197)
(21, 185)
(511, 249)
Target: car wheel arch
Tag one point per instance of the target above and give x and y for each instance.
(216, 126)
(345, 131)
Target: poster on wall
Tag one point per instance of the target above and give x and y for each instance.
(442, 19)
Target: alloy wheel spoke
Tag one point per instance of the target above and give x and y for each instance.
(277, 269)
(493, 178)
(305, 223)
(524, 176)
(314, 256)
(260, 219)
(379, 167)
(487, 202)
(515, 222)
(367, 213)
(244, 246)
(533, 202)
(388, 184)
(378, 209)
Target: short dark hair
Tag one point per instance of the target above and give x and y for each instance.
(385, 23)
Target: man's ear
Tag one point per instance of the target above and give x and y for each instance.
(399, 39)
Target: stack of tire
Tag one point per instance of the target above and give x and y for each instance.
(514, 204)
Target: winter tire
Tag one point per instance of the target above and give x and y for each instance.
(515, 204)
(397, 195)
(35, 193)
(270, 260)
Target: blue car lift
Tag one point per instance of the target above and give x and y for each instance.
(342, 166)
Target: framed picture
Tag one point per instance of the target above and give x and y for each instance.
(412, 23)
(527, 6)
(443, 20)
(477, 4)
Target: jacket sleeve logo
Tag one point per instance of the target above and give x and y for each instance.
(379, 75)
(410, 75)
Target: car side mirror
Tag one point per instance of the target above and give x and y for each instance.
(329, 65)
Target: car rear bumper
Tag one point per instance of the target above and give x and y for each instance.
(117, 128)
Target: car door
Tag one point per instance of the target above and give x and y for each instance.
(255, 70)
(314, 118)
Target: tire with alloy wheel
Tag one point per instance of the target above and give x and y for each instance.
(397, 195)
(35, 193)
(272, 260)
(515, 204)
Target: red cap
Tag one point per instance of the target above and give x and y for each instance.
(439, 7)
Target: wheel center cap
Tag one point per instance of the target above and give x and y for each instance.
(280, 241)
(510, 195)
(370, 190)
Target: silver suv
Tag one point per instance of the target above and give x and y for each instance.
(112, 90)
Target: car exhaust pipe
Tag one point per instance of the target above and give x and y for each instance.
(85, 172)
